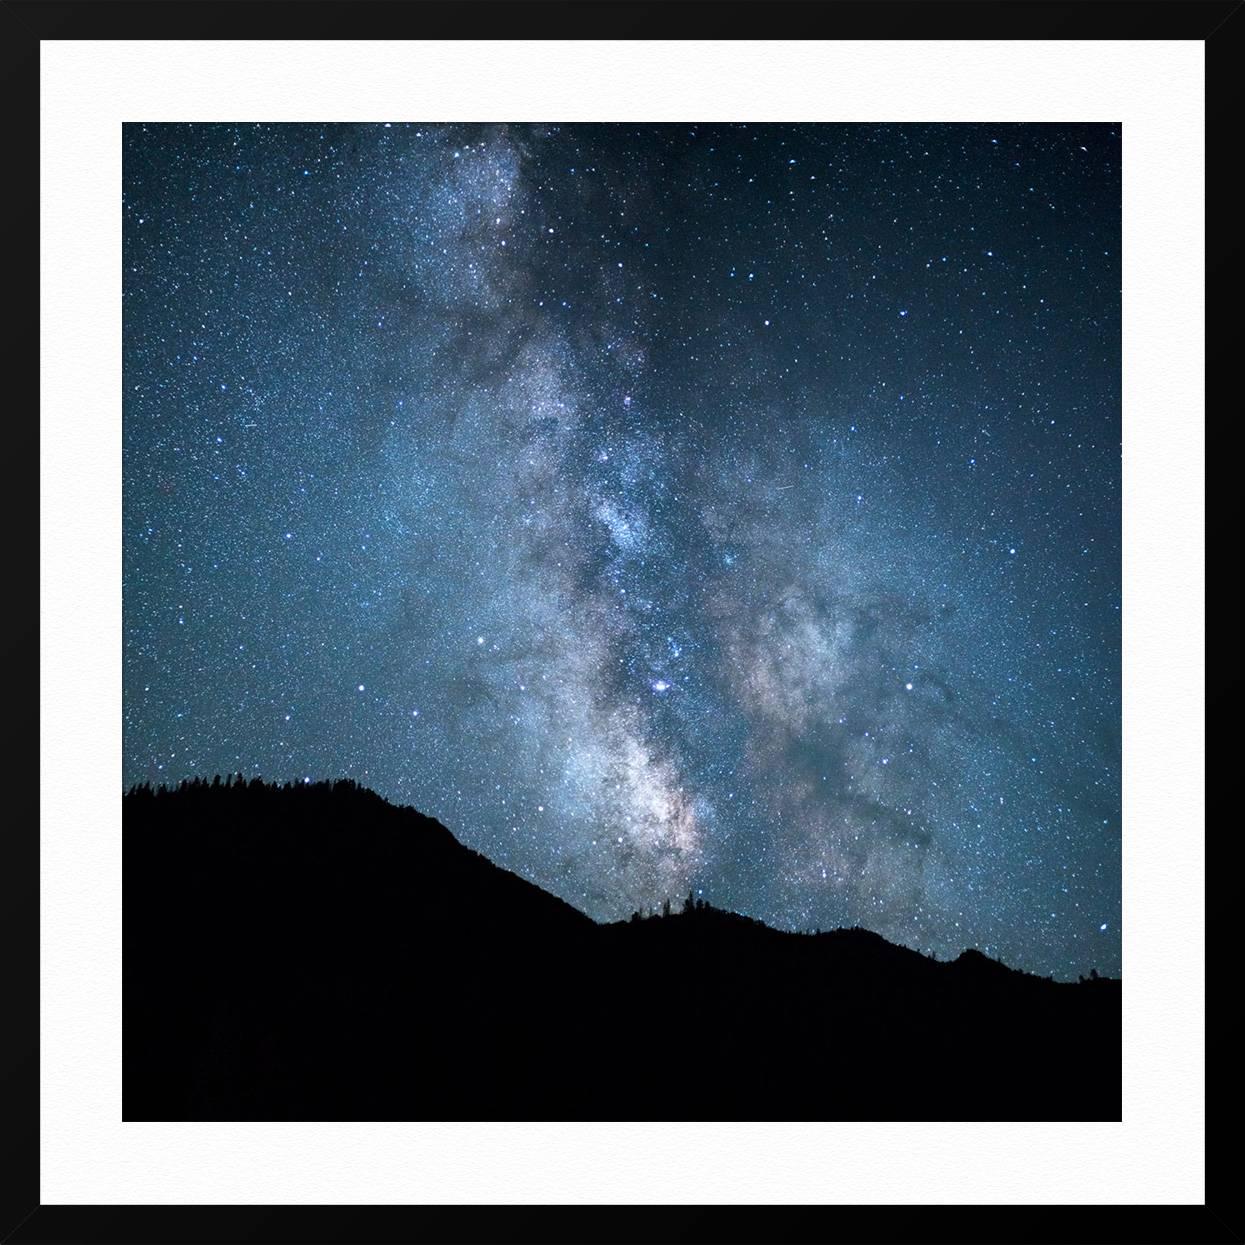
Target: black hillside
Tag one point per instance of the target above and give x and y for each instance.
(314, 952)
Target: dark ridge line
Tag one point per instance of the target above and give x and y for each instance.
(237, 781)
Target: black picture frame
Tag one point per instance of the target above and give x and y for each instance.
(24, 24)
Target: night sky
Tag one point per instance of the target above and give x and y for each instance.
(726, 508)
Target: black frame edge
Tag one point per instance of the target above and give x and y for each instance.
(23, 1220)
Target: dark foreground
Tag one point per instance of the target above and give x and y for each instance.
(314, 953)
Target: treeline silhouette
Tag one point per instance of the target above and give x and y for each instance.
(312, 952)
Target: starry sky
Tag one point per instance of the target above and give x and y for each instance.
(728, 508)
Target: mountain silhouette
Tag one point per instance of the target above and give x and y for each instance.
(312, 952)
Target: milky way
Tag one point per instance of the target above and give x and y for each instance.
(731, 509)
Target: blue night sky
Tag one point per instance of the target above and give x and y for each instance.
(729, 508)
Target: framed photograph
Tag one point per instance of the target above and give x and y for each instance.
(621, 624)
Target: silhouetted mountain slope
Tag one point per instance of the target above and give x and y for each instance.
(313, 952)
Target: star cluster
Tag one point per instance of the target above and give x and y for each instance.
(719, 508)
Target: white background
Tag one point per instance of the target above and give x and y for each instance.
(1154, 89)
